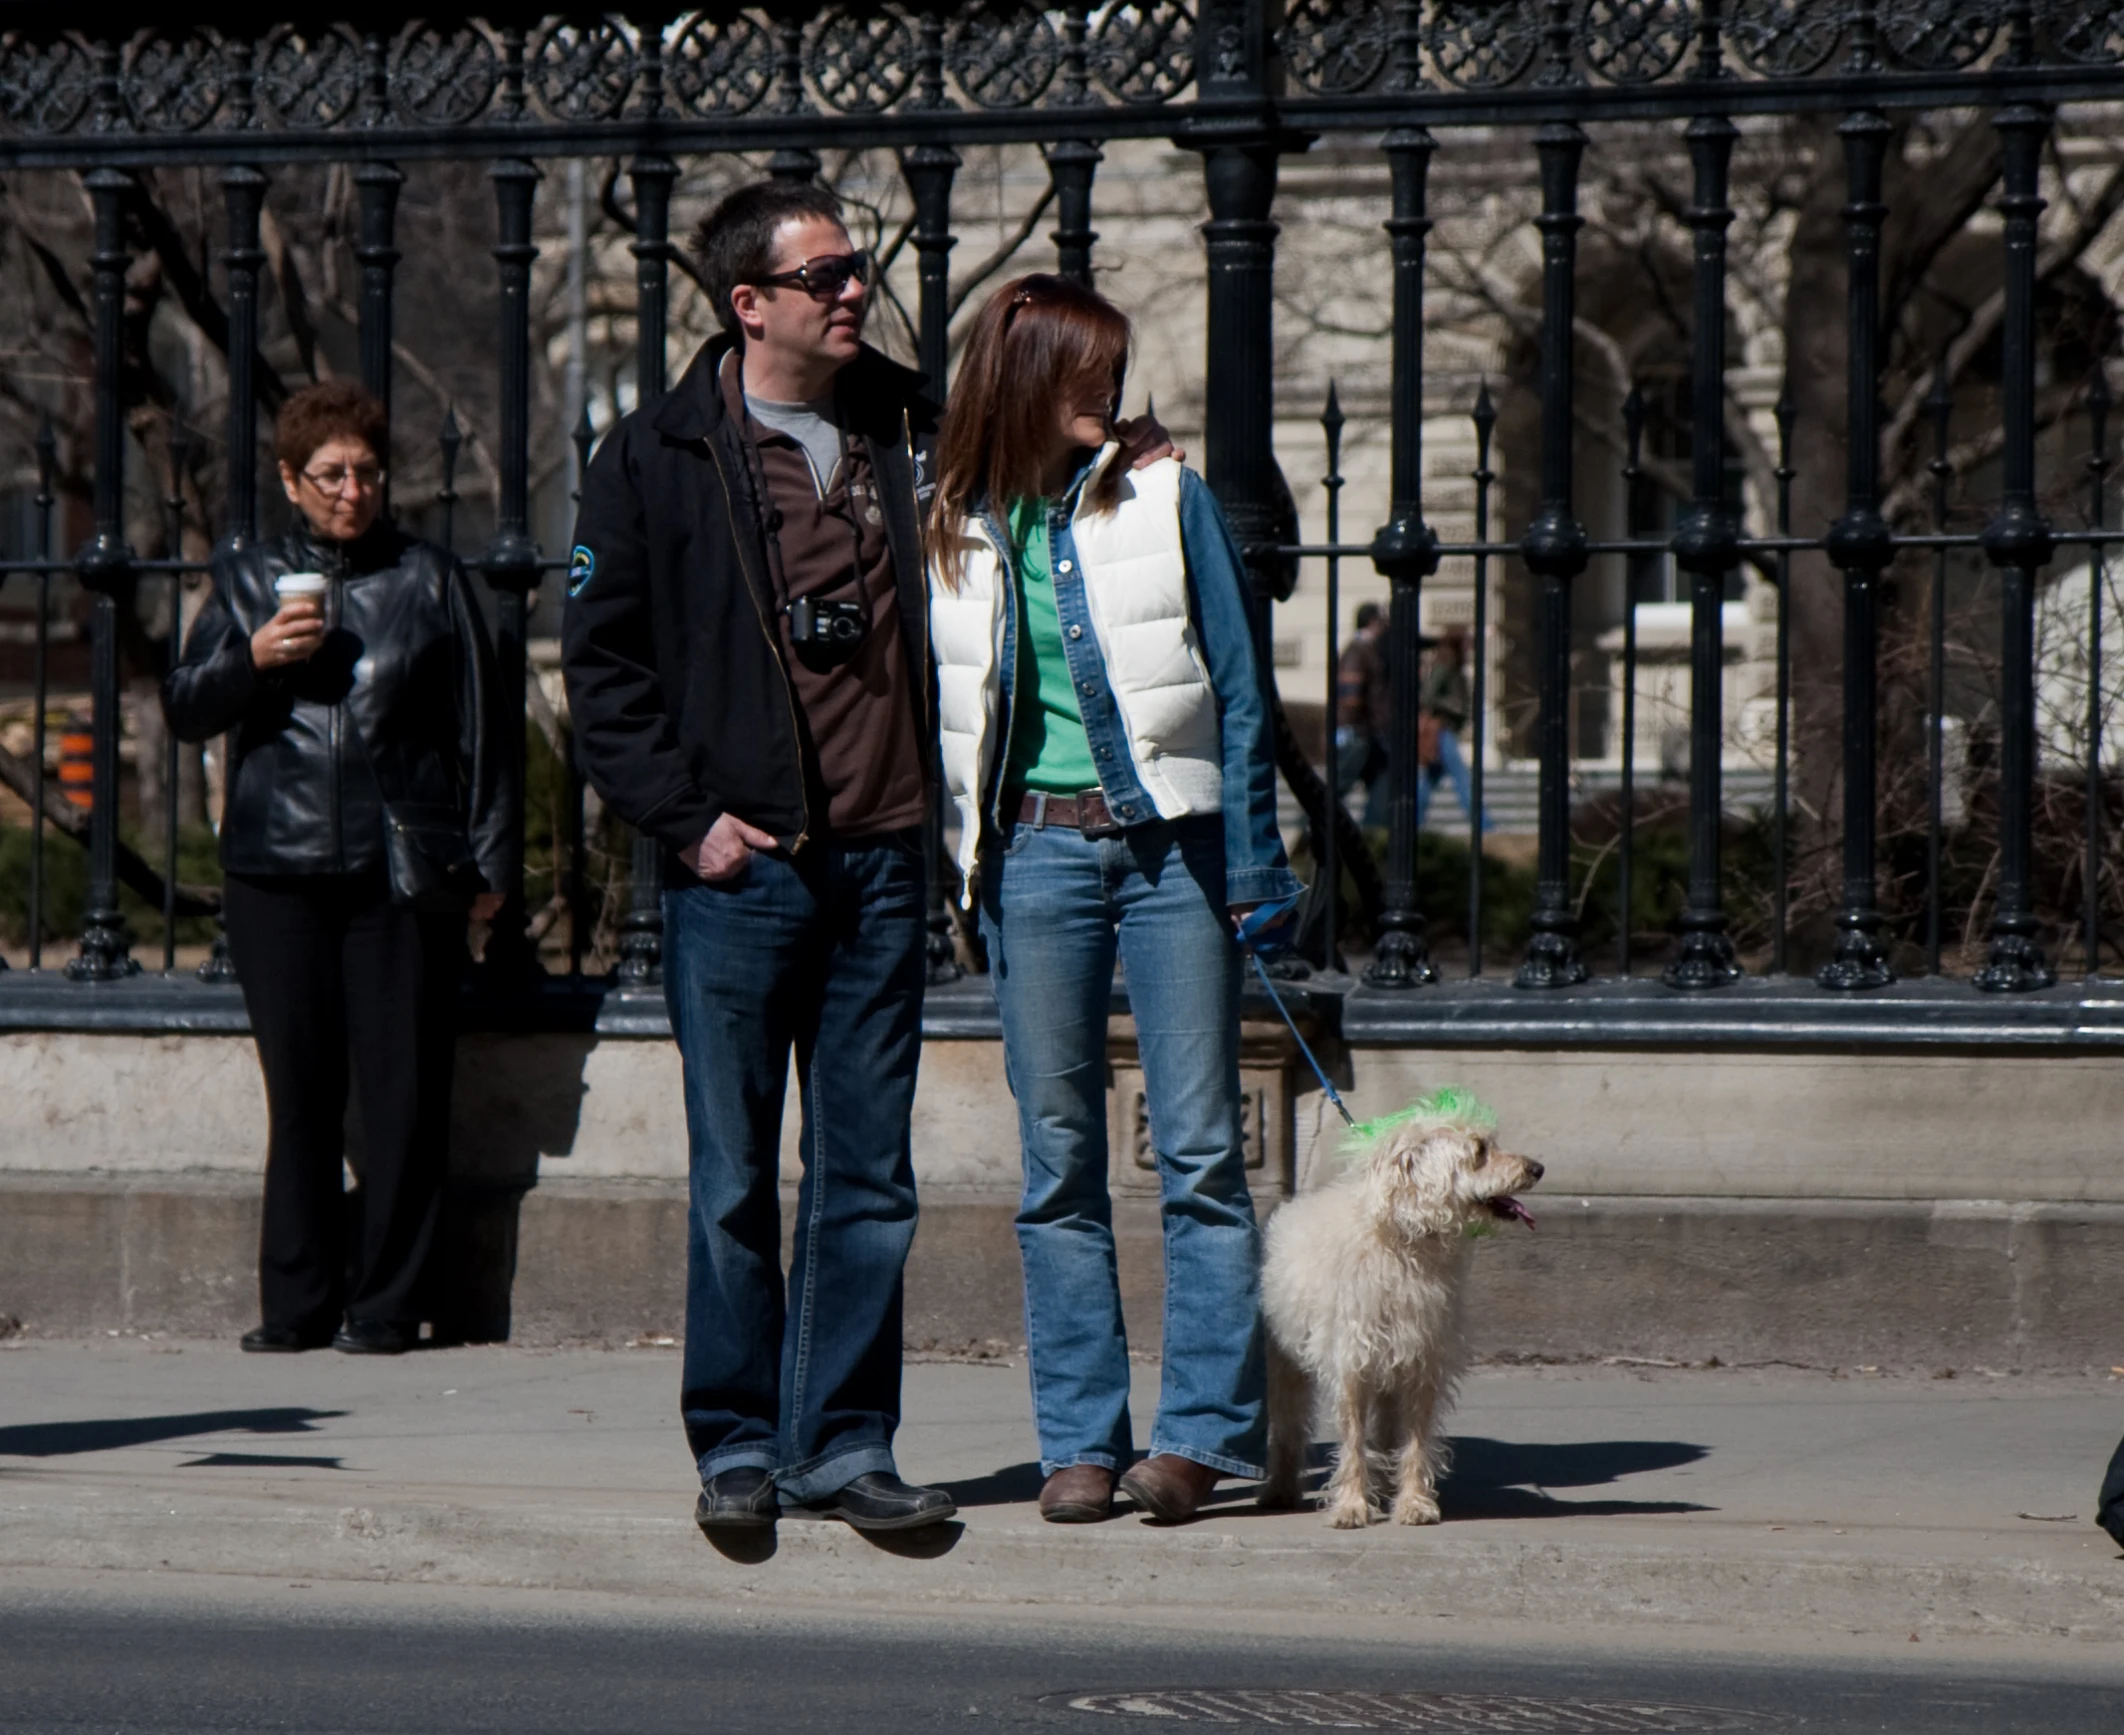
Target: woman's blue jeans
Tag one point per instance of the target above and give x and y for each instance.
(1055, 905)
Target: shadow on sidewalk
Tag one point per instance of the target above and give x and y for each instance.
(64, 1439)
(1013, 1485)
(754, 1547)
(1498, 1479)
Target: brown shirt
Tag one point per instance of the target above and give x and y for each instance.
(860, 719)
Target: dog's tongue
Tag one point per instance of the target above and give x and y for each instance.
(1511, 1210)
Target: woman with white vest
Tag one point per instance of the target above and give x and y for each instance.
(1107, 746)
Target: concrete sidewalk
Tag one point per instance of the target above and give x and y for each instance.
(1726, 1498)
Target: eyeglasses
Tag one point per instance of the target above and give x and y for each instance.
(824, 277)
(367, 478)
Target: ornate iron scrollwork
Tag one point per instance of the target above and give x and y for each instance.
(584, 71)
(173, 81)
(44, 86)
(860, 62)
(1939, 35)
(1336, 47)
(1784, 38)
(1483, 46)
(2088, 31)
(1144, 50)
(309, 79)
(1003, 53)
(720, 66)
(1634, 41)
(443, 75)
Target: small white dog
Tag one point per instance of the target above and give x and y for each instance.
(1361, 1283)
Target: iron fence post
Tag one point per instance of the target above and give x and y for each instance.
(1071, 164)
(641, 943)
(1634, 410)
(1706, 546)
(511, 561)
(1330, 864)
(47, 447)
(1484, 417)
(1781, 753)
(243, 196)
(1554, 549)
(1859, 545)
(377, 185)
(2098, 407)
(105, 566)
(1406, 552)
(2018, 542)
(1240, 149)
(1939, 403)
(929, 170)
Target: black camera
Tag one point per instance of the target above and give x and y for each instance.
(825, 631)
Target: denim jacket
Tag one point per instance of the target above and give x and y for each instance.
(1256, 868)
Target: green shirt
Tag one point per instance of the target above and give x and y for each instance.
(1048, 747)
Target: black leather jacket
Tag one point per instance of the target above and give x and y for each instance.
(395, 705)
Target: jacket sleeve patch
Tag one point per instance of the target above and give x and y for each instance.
(582, 568)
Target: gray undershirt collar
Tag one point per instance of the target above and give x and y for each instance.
(813, 428)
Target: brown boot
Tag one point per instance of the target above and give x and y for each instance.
(1169, 1487)
(1078, 1494)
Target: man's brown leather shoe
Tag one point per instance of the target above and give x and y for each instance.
(1078, 1494)
(1169, 1487)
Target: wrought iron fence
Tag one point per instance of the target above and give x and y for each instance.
(1243, 84)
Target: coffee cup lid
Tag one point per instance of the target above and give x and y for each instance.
(299, 583)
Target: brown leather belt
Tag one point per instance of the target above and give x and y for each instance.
(1086, 812)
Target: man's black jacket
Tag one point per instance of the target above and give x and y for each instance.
(682, 704)
(400, 694)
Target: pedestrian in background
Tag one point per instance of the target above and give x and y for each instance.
(1106, 744)
(366, 818)
(1364, 704)
(1446, 707)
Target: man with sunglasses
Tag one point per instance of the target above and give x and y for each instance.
(746, 648)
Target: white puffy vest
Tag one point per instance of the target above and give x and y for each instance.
(1134, 572)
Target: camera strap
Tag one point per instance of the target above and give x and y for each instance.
(770, 514)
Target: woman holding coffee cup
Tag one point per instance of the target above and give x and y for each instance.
(366, 819)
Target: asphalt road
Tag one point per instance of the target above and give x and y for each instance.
(162, 1654)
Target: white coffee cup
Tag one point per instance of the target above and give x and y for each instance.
(291, 585)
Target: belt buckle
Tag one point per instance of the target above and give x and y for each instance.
(1109, 827)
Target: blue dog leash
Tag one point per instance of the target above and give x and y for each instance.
(1249, 926)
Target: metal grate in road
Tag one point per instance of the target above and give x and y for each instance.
(1430, 1713)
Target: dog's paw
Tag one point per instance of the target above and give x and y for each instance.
(1349, 1515)
(1416, 1509)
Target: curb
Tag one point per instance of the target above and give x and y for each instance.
(997, 1557)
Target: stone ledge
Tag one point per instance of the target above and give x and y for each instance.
(1893, 1283)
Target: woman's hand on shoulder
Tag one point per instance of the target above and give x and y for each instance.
(1144, 441)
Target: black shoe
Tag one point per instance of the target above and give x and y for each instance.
(879, 1501)
(282, 1340)
(740, 1499)
(371, 1337)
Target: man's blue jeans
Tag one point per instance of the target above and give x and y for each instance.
(1054, 907)
(823, 953)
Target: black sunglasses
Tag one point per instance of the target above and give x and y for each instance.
(825, 276)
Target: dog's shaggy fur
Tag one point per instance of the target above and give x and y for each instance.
(1361, 1288)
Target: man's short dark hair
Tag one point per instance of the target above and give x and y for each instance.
(735, 241)
(1367, 613)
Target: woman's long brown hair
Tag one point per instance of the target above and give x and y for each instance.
(1038, 336)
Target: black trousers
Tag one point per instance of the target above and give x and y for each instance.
(340, 983)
